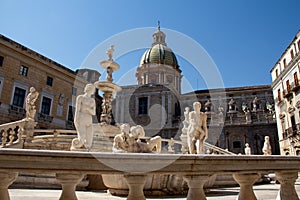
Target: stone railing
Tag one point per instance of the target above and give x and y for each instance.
(70, 168)
(51, 139)
(15, 133)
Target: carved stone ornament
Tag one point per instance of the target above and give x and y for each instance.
(298, 104)
(281, 116)
(291, 109)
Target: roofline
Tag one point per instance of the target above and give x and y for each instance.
(230, 89)
(293, 40)
(32, 52)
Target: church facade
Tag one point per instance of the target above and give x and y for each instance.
(235, 115)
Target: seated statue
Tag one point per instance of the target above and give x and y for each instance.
(128, 141)
(84, 111)
(197, 129)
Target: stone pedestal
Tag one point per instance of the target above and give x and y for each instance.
(246, 182)
(196, 183)
(6, 179)
(136, 185)
(287, 185)
(68, 182)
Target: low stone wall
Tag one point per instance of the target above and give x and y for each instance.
(71, 167)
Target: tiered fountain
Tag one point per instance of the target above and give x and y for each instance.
(104, 132)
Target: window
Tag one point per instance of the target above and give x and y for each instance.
(71, 112)
(293, 121)
(19, 97)
(74, 91)
(292, 54)
(1, 61)
(284, 62)
(298, 45)
(237, 145)
(296, 79)
(143, 105)
(278, 95)
(288, 87)
(49, 81)
(46, 105)
(276, 73)
(23, 70)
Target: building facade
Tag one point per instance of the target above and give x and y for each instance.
(235, 115)
(285, 85)
(58, 86)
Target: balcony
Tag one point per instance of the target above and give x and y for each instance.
(44, 118)
(70, 125)
(17, 111)
(287, 93)
(295, 86)
(70, 168)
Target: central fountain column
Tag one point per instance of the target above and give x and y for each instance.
(108, 87)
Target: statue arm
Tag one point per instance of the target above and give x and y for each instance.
(77, 110)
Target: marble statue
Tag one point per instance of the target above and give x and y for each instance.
(61, 100)
(110, 52)
(255, 104)
(247, 149)
(208, 106)
(185, 121)
(267, 150)
(197, 129)
(231, 105)
(30, 103)
(85, 109)
(221, 114)
(128, 141)
(246, 110)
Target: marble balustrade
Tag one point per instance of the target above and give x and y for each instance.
(70, 167)
(15, 133)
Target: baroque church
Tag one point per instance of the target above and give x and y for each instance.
(236, 116)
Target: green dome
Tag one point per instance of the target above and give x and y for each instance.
(160, 54)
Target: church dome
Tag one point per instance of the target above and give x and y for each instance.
(159, 54)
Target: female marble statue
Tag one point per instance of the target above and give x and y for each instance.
(267, 150)
(197, 130)
(247, 149)
(85, 109)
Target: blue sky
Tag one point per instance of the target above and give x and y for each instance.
(243, 38)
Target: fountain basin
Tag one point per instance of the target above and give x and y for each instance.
(156, 184)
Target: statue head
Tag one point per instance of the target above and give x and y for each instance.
(125, 128)
(89, 88)
(267, 138)
(197, 106)
(32, 89)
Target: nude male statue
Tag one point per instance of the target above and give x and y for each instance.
(30, 103)
(197, 130)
